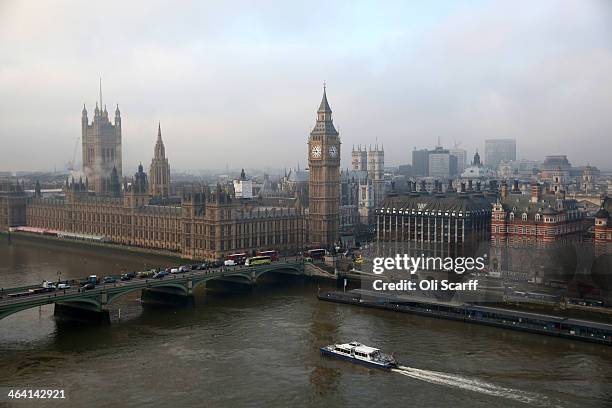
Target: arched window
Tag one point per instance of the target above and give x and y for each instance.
(524, 217)
(511, 216)
(537, 217)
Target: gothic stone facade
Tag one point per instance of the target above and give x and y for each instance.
(101, 144)
(324, 181)
(12, 205)
(206, 225)
(159, 172)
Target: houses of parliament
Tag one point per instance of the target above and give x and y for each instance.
(203, 222)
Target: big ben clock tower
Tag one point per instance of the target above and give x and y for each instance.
(324, 184)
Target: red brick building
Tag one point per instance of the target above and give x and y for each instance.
(537, 218)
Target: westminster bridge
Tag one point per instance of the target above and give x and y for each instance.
(94, 303)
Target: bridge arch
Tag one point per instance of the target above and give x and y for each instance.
(282, 269)
(241, 276)
(89, 303)
(6, 313)
(114, 295)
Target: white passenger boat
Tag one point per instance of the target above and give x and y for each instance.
(360, 354)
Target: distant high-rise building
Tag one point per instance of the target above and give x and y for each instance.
(405, 169)
(159, 172)
(497, 150)
(420, 162)
(442, 163)
(461, 155)
(101, 144)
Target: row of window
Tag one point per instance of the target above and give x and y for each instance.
(566, 229)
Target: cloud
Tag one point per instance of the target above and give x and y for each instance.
(239, 83)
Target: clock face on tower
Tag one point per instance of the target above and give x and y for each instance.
(316, 151)
(333, 152)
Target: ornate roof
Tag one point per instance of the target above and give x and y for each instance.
(456, 202)
(324, 106)
(324, 124)
(548, 204)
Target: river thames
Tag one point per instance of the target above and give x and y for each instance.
(260, 347)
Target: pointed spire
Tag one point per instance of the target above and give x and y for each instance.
(324, 106)
(159, 131)
(117, 111)
(84, 111)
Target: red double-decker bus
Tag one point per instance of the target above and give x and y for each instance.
(236, 259)
(272, 254)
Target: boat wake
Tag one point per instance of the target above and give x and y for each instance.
(472, 384)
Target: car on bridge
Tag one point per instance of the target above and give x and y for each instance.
(110, 279)
(160, 275)
(89, 286)
(63, 286)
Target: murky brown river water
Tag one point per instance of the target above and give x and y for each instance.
(260, 348)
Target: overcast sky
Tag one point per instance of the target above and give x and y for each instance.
(238, 83)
